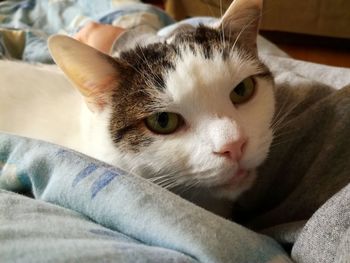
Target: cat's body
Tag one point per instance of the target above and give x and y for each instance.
(194, 111)
(42, 103)
(39, 102)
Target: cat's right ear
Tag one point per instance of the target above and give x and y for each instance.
(94, 73)
(241, 22)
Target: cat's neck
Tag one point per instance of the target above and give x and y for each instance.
(204, 199)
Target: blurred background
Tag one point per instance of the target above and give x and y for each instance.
(312, 30)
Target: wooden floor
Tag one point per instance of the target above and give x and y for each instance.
(334, 52)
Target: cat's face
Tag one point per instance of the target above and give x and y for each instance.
(193, 111)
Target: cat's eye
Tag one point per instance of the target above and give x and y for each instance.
(243, 91)
(163, 122)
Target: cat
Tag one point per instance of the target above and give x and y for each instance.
(193, 111)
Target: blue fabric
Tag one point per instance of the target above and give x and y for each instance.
(127, 204)
(38, 19)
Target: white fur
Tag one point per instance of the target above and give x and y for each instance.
(39, 102)
(187, 157)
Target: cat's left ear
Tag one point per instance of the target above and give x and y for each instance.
(94, 73)
(241, 22)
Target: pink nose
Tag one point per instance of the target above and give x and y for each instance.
(233, 150)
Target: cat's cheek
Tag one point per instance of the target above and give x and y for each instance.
(257, 151)
(257, 121)
(132, 139)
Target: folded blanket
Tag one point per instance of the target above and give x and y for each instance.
(148, 214)
(308, 165)
(33, 231)
(118, 201)
(35, 21)
(301, 197)
(309, 159)
(326, 236)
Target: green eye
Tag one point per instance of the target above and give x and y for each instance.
(243, 91)
(163, 122)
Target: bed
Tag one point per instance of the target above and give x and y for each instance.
(57, 205)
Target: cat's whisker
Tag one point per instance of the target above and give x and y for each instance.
(223, 42)
(188, 186)
(181, 178)
(143, 74)
(150, 73)
(283, 130)
(281, 125)
(166, 183)
(162, 179)
(284, 110)
(172, 185)
(242, 31)
(131, 171)
(291, 134)
(280, 111)
(164, 176)
(277, 122)
(246, 26)
(286, 140)
(283, 136)
(282, 139)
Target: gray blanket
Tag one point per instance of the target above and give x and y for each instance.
(301, 198)
(308, 168)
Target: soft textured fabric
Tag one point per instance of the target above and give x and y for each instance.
(119, 201)
(33, 231)
(326, 236)
(310, 156)
(308, 164)
(309, 160)
(301, 197)
(36, 20)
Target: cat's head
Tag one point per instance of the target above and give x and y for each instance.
(194, 110)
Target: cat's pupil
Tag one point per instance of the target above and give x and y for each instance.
(163, 119)
(240, 89)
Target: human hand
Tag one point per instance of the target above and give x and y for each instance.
(99, 36)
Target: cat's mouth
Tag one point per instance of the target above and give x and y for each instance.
(236, 179)
(235, 184)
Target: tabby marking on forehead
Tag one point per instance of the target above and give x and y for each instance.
(140, 93)
(150, 62)
(210, 40)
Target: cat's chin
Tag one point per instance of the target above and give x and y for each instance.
(235, 186)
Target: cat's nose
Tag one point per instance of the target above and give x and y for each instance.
(233, 150)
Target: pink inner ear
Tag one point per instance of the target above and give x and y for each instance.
(97, 92)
